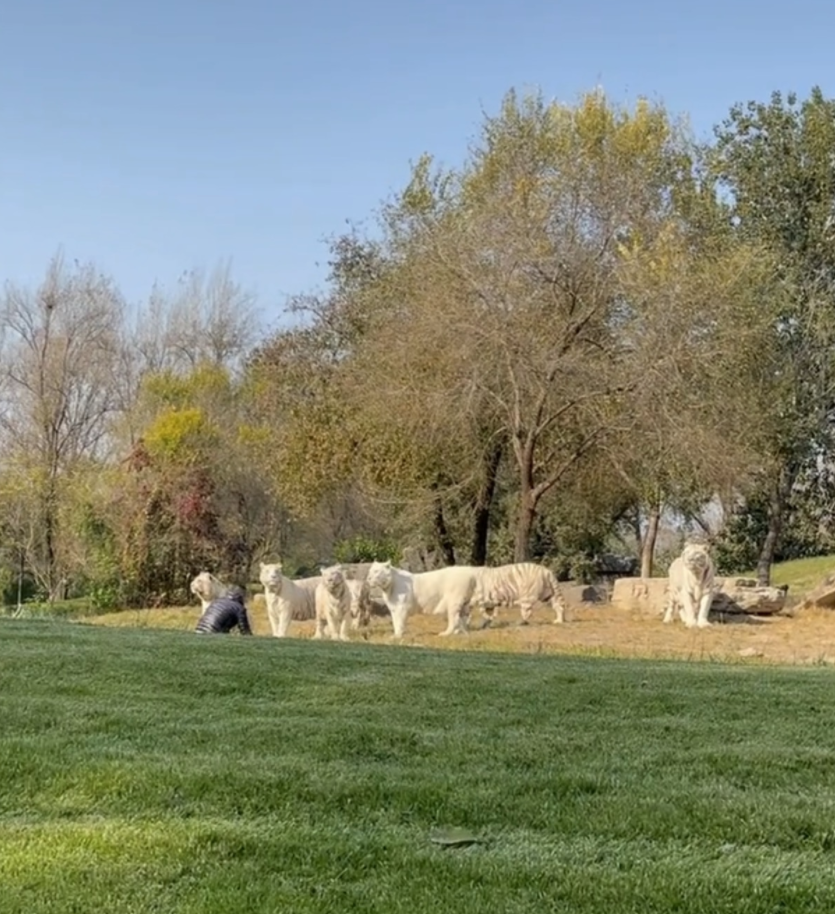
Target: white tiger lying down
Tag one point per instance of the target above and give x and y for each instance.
(691, 586)
(446, 590)
(333, 600)
(524, 584)
(287, 599)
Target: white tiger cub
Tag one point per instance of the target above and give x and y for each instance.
(333, 604)
(691, 586)
(286, 599)
(446, 590)
(206, 587)
(522, 584)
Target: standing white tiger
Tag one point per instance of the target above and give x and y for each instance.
(286, 599)
(445, 590)
(691, 586)
(333, 604)
(523, 584)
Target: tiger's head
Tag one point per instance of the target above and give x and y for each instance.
(271, 577)
(206, 587)
(381, 575)
(696, 558)
(333, 579)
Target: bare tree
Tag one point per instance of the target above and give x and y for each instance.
(211, 319)
(59, 356)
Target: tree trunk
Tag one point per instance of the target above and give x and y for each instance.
(777, 504)
(524, 525)
(442, 536)
(635, 523)
(483, 504)
(648, 540)
(49, 537)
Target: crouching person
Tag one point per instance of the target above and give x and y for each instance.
(225, 613)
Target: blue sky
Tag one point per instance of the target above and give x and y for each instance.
(153, 137)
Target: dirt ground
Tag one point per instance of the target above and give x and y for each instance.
(805, 636)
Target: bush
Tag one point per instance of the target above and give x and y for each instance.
(365, 549)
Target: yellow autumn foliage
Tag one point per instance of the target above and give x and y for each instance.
(180, 434)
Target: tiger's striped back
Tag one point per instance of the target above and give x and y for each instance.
(524, 584)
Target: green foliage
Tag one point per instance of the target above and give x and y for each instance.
(134, 779)
(175, 390)
(738, 545)
(362, 548)
(775, 162)
(105, 597)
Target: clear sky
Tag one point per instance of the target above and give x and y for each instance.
(152, 137)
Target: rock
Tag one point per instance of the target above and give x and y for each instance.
(742, 595)
(732, 595)
(649, 594)
(823, 596)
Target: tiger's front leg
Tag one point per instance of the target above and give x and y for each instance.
(688, 609)
(399, 611)
(704, 609)
(321, 623)
(453, 612)
(343, 628)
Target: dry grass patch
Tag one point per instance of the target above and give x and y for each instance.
(801, 637)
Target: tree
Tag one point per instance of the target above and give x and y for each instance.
(775, 161)
(518, 255)
(190, 496)
(59, 355)
(699, 329)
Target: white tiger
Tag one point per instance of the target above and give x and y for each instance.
(523, 584)
(333, 604)
(287, 599)
(206, 587)
(446, 590)
(361, 604)
(691, 586)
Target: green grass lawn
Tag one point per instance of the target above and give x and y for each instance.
(151, 771)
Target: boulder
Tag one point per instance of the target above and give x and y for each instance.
(732, 595)
(647, 594)
(743, 595)
(823, 596)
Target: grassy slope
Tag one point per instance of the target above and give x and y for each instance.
(161, 771)
(802, 574)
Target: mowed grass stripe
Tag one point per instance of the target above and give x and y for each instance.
(159, 771)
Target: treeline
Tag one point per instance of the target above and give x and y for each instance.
(593, 324)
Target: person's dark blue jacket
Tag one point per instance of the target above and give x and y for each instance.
(224, 614)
